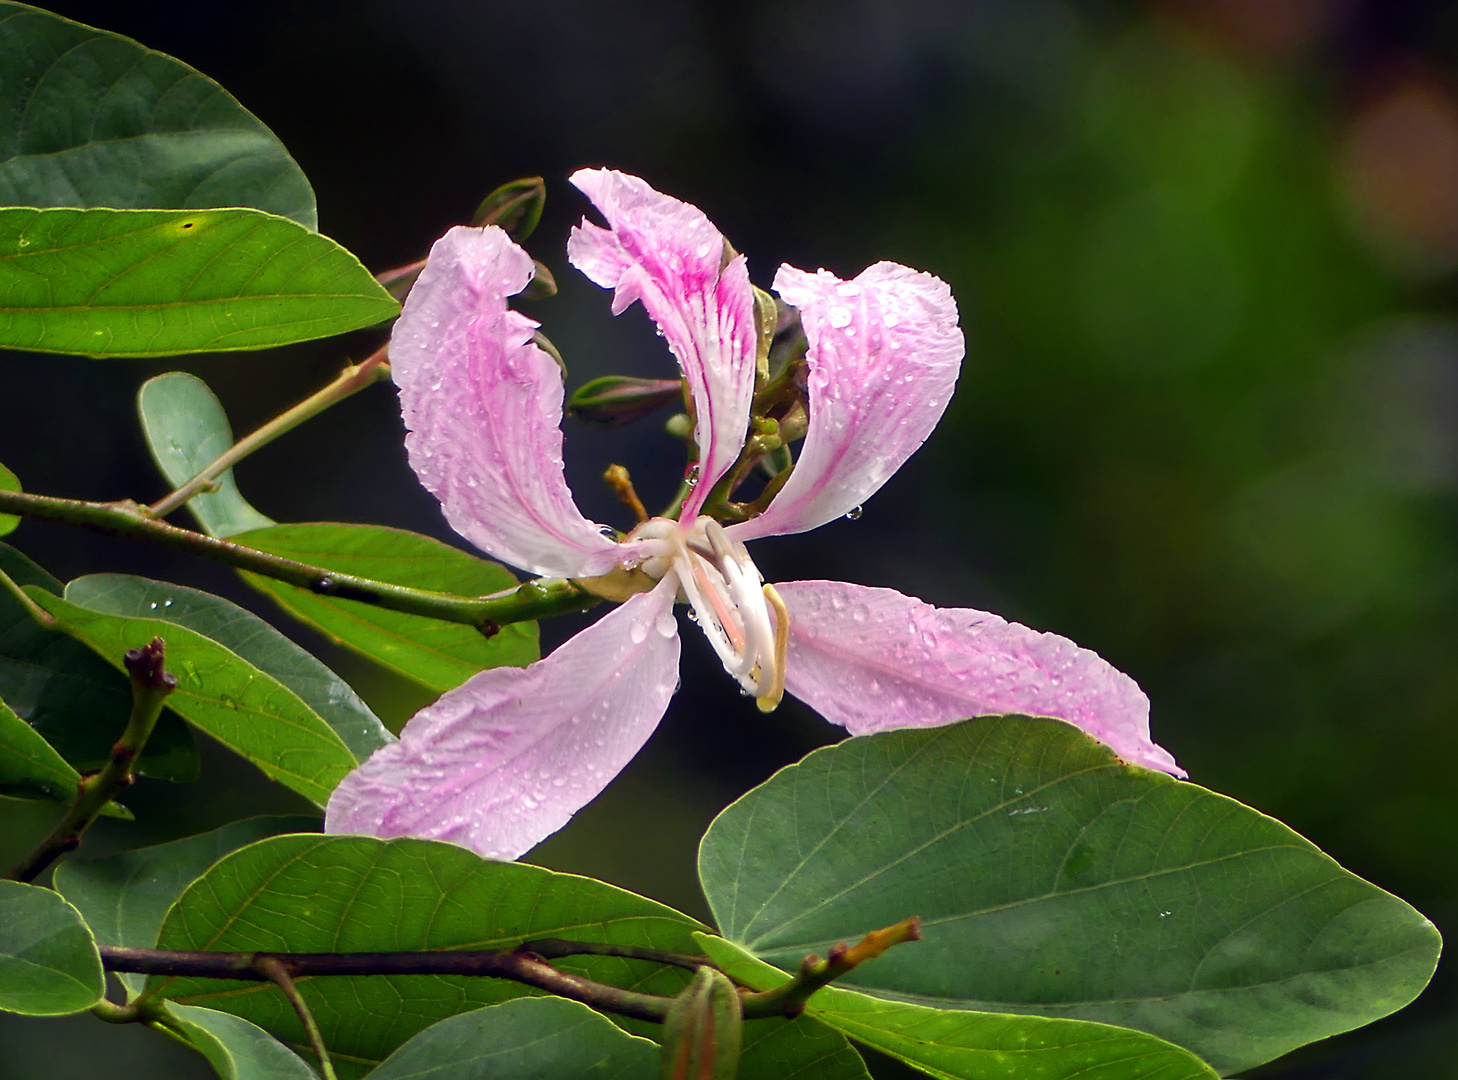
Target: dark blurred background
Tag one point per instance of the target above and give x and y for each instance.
(1205, 254)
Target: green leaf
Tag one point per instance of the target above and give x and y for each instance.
(8, 482)
(73, 699)
(187, 430)
(803, 1047)
(1051, 878)
(249, 637)
(360, 894)
(437, 655)
(243, 708)
(963, 1045)
(236, 1049)
(125, 897)
(160, 282)
(89, 118)
(525, 1039)
(31, 768)
(48, 963)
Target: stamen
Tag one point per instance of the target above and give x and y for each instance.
(769, 698)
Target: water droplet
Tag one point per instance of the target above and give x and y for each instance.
(666, 625)
(606, 530)
(166, 603)
(890, 318)
(153, 605)
(528, 802)
(838, 317)
(638, 633)
(854, 513)
(860, 613)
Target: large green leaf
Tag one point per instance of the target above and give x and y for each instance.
(1052, 878)
(8, 482)
(187, 430)
(89, 118)
(249, 637)
(160, 282)
(437, 655)
(236, 1049)
(964, 1045)
(72, 698)
(125, 897)
(360, 894)
(48, 963)
(31, 768)
(803, 1047)
(220, 692)
(525, 1039)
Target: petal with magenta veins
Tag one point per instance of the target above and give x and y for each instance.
(667, 254)
(483, 409)
(874, 659)
(884, 352)
(505, 759)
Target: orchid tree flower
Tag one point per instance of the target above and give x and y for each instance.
(508, 757)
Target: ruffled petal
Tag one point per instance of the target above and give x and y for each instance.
(505, 759)
(873, 659)
(483, 406)
(884, 352)
(667, 254)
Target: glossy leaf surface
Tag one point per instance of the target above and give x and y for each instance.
(233, 701)
(161, 282)
(249, 637)
(48, 963)
(125, 897)
(89, 118)
(525, 1039)
(1052, 878)
(360, 894)
(72, 698)
(962, 1045)
(31, 768)
(187, 430)
(8, 482)
(238, 1050)
(437, 655)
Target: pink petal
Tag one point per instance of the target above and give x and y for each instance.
(483, 406)
(505, 759)
(667, 254)
(884, 354)
(873, 659)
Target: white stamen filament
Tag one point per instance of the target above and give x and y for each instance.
(729, 598)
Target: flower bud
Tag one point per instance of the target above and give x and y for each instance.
(703, 1030)
(616, 400)
(515, 207)
(542, 285)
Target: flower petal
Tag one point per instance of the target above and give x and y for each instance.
(667, 254)
(873, 659)
(505, 759)
(884, 352)
(483, 406)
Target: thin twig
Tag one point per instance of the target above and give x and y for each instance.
(789, 998)
(532, 600)
(557, 948)
(278, 974)
(349, 382)
(151, 684)
(35, 611)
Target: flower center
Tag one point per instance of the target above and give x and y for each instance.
(730, 601)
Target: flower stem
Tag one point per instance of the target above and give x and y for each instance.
(349, 382)
(151, 684)
(532, 600)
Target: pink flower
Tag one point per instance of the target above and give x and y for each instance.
(508, 757)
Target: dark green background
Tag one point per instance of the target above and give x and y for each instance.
(1208, 423)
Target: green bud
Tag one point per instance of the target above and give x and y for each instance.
(542, 285)
(703, 1030)
(544, 343)
(516, 207)
(616, 400)
(776, 461)
(766, 318)
(680, 426)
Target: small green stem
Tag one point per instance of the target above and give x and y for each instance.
(279, 975)
(349, 382)
(42, 617)
(151, 684)
(533, 600)
(788, 999)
